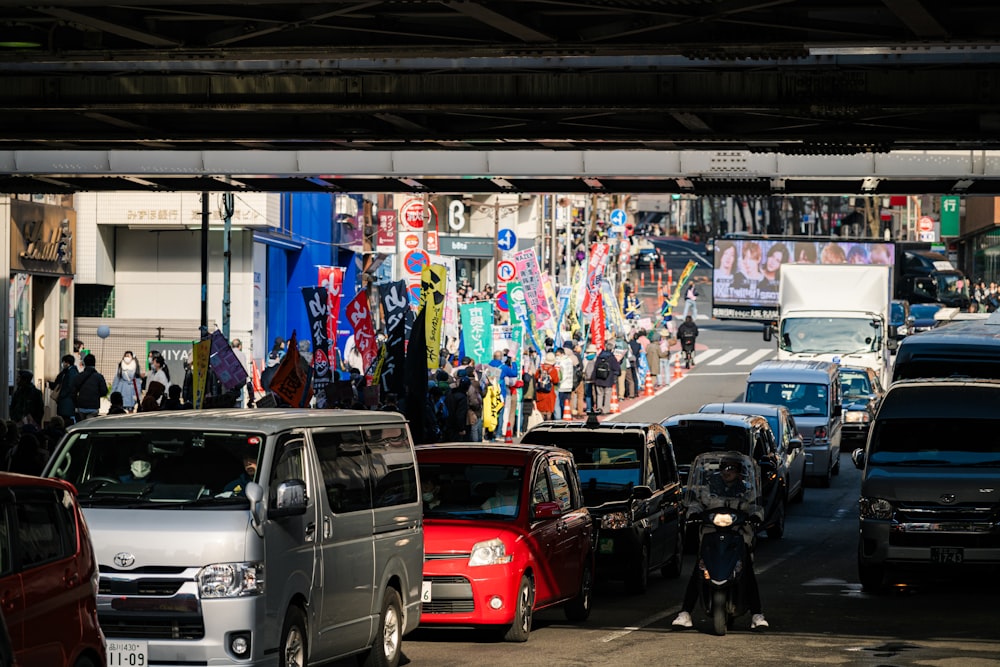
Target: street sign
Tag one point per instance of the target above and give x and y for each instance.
(414, 292)
(629, 228)
(413, 214)
(618, 217)
(502, 301)
(506, 239)
(925, 224)
(433, 244)
(506, 271)
(411, 241)
(415, 261)
(950, 208)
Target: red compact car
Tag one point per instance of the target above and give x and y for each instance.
(48, 575)
(505, 533)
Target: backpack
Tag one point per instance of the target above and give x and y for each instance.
(602, 369)
(543, 384)
(577, 374)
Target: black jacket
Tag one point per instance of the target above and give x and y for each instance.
(89, 387)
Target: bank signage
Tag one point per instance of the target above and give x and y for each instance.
(467, 246)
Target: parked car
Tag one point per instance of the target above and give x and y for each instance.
(236, 536)
(699, 432)
(48, 575)
(506, 533)
(646, 257)
(786, 437)
(811, 392)
(633, 492)
(900, 318)
(923, 316)
(860, 392)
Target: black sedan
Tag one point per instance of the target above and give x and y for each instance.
(646, 257)
(860, 392)
(923, 316)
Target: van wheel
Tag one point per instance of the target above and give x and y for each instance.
(637, 580)
(824, 481)
(520, 629)
(388, 643)
(294, 641)
(578, 609)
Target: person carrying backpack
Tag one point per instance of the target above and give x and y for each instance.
(606, 372)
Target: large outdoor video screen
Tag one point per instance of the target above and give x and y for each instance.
(748, 271)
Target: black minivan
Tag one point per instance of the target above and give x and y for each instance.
(632, 489)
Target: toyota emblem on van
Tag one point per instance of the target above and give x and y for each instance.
(124, 559)
(948, 498)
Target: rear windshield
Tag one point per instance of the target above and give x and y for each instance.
(802, 400)
(157, 466)
(935, 442)
(691, 438)
(609, 463)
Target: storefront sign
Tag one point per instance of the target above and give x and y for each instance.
(42, 238)
(467, 246)
(386, 239)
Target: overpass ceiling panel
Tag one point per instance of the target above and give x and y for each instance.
(794, 186)
(191, 184)
(278, 184)
(902, 186)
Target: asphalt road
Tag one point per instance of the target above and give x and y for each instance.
(809, 585)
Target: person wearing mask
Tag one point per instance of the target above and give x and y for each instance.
(89, 388)
(565, 388)
(159, 372)
(126, 381)
(65, 401)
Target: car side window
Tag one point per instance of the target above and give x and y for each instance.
(393, 467)
(561, 489)
(650, 469)
(288, 462)
(668, 468)
(41, 531)
(540, 492)
(344, 467)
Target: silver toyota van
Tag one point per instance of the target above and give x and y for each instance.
(250, 537)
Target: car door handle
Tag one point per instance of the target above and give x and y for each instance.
(71, 578)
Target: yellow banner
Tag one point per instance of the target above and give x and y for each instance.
(433, 281)
(199, 371)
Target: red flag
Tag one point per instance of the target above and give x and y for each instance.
(597, 325)
(290, 381)
(332, 278)
(360, 317)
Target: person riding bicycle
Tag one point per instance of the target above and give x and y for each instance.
(687, 332)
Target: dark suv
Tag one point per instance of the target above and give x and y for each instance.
(632, 488)
(696, 433)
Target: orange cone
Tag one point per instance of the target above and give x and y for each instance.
(567, 412)
(509, 436)
(648, 391)
(614, 400)
(255, 377)
(642, 280)
(678, 373)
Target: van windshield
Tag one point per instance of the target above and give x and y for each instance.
(158, 467)
(802, 400)
(840, 335)
(940, 442)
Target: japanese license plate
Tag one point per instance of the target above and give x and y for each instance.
(127, 653)
(606, 545)
(425, 592)
(947, 555)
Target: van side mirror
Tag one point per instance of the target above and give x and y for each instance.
(768, 331)
(858, 457)
(255, 494)
(547, 510)
(795, 442)
(289, 500)
(642, 493)
(892, 344)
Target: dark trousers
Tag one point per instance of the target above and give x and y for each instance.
(749, 581)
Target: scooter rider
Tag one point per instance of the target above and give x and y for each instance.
(727, 482)
(687, 333)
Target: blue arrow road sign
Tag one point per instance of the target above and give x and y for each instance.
(506, 239)
(618, 217)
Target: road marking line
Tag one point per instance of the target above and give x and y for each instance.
(727, 357)
(700, 357)
(754, 357)
(649, 620)
(764, 568)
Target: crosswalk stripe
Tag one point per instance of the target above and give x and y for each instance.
(754, 357)
(728, 356)
(705, 354)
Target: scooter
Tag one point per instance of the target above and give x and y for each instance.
(722, 556)
(687, 349)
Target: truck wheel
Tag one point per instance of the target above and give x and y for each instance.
(387, 646)
(520, 629)
(637, 580)
(294, 640)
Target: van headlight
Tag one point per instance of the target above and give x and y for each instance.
(231, 580)
(490, 552)
(856, 417)
(875, 508)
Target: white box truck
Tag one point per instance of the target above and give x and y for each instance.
(835, 312)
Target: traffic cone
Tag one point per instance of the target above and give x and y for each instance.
(509, 436)
(678, 373)
(650, 273)
(614, 400)
(648, 391)
(255, 377)
(567, 412)
(642, 280)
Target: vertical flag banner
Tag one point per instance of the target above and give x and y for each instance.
(318, 309)
(391, 377)
(359, 315)
(519, 306)
(675, 298)
(396, 306)
(613, 316)
(477, 323)
(224, 362)
(332, 278)
(199, 371)
(597, 324)
(451, 314)
(432, 287)
(290, 382)
(595, 272)
(564, 293)
(530, 277)
(415, 365)
(549, 290)
(503, 337)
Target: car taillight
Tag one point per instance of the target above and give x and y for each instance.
(820, 432)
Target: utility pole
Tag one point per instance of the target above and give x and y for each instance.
(228, 206)
(204, 265)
